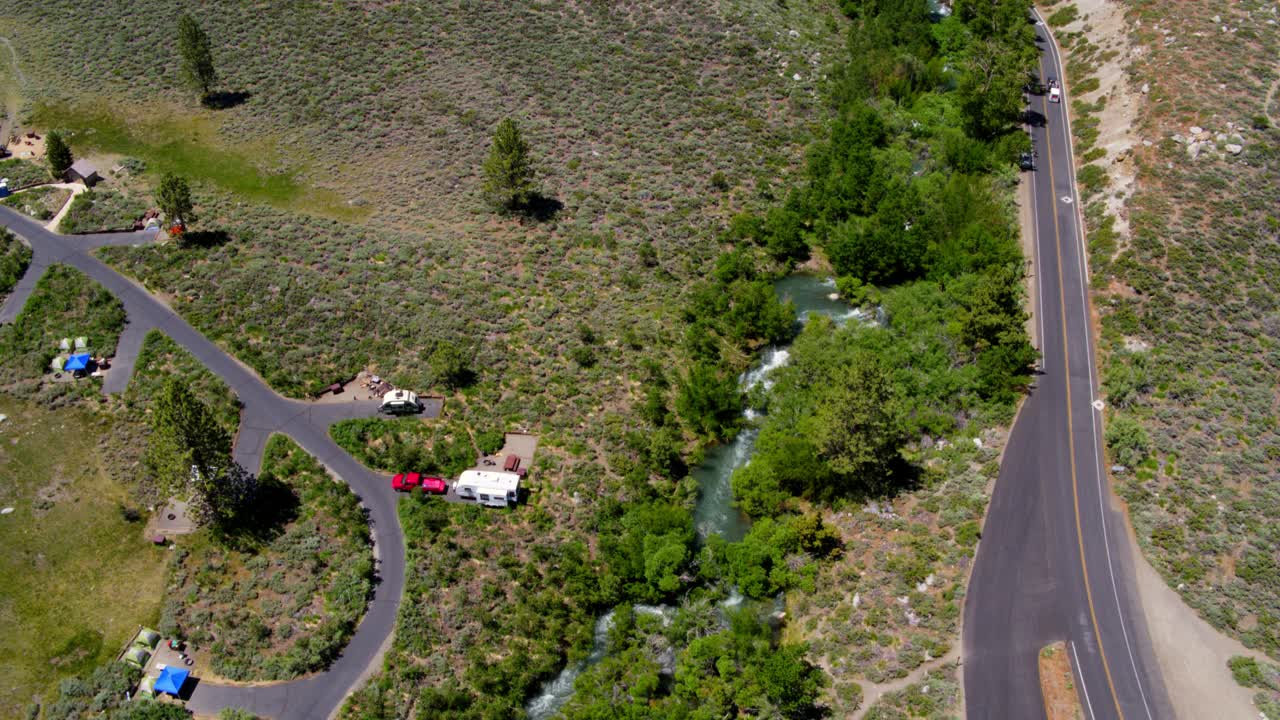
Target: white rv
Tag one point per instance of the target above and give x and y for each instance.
(489, 487)
(400, 402)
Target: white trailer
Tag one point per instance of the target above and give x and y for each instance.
(400, 402)
(489, 487)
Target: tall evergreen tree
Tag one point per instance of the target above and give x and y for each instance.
(185, 435)
(173, 195)
(57, 154)
(508, 172)
(197, 58)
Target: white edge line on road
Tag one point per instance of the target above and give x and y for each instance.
(1080, 674)
(1093, 416)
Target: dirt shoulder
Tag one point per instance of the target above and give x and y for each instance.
(1058, 684)
(1192, 655)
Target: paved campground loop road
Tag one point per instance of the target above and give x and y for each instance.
(1054, 560)
(264, 412)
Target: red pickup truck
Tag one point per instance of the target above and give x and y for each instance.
(405, 482)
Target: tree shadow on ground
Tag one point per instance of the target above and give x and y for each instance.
(225, 100)
(204, 238)
(274, 507)
(540, 208)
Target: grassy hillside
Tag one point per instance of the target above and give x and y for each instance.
(1191, 312)
(633, 103)
(77, 576)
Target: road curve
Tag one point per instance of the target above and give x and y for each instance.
(1053, 563)
(264, 412)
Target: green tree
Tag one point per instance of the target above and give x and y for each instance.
(508, 172)
(145, 709)
(858, 426)
(173, 195)
(450, 365)
(708, 401)
(184, 435)
(1127, 441)
(990, 89)
(58, 154)
(196, 57)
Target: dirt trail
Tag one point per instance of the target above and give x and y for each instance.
(1266, 104)
(76, 189)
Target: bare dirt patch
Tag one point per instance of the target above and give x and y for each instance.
(1058, 685)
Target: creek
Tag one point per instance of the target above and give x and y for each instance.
(715, 512)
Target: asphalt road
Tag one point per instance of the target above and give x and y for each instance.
(264, 412)
(1054, 560)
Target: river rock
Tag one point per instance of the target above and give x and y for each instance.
(1235, 149)
(1193, 150)
(1177, 137)
(1195, 130)
(1146, 88)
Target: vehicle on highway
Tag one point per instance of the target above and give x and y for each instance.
(1055, 91)
(400, 402)
(1027, 161)
(405, 482)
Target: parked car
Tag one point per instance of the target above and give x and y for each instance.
(405, 482)
(1027, 161)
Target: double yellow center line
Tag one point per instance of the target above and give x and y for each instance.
(1071, 442)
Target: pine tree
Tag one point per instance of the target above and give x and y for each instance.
(197, 58)
(185, 435)
(508, 173)
(58, 154)
(173, 195)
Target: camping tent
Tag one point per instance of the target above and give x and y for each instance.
(136, 656)
(171, 680)
(147, 688)
(147, 638)
(79, 361)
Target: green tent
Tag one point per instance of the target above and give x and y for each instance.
(147, 639)
(136, 657)
(147, 688)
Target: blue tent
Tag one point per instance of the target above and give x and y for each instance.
(171, 680)
(79, 361)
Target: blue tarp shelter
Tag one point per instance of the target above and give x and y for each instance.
(79, 361)
(171, 680)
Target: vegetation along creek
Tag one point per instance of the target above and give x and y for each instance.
(715, 513)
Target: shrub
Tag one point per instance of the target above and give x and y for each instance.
(1127, 440)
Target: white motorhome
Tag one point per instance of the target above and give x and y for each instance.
(400, 402)
(489, 487)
